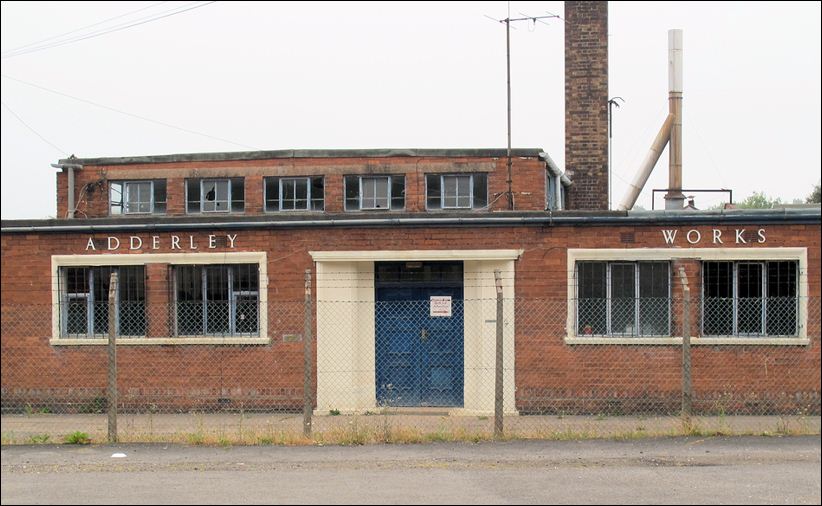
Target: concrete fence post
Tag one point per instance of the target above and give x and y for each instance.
(308, 391)
(111, 396)
(687, 387)
(498, 367)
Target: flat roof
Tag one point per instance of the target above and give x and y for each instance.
(309, 153)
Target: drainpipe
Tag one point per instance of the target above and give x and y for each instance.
(70, 167)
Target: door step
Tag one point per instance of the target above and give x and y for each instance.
(423, 411)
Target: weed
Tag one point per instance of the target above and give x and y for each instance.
(224, 441)
(77, 438)
(483, 418)
(265, 440)
(334, 412)
(7, 438)
(39, 439)
(195, 438)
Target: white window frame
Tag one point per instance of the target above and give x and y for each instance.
(240, 257)
(66, 297)
(765, 253)
(763, 299)
(457, 196)
(202, 195)
(609, 299)
(387, 195)
(232, 307)
(307, 181)
(127, 188)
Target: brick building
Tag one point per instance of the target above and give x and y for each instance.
(211, 250)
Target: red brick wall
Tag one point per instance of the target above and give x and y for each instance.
(586, 103)
(92, 182)
(551, 376)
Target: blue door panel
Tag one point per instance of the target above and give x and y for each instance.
(419, 358)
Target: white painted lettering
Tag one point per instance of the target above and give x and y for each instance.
(175, 242)
(669, 236)
(155, 242)
(231, 239)
(139, 242)
(212, 241)
(90, 244)
(698, 236)
(739, 238)
(110, 247)
(761, 233)
(717, 236)
(191, 242)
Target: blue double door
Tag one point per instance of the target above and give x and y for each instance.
(419, 357)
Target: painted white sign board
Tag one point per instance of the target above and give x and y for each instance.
(440, 305)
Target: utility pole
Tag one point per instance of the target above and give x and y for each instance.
(508, 21)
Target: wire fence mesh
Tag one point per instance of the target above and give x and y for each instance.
(568, 365)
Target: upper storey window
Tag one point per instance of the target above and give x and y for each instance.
(215, 195)
(456, 191)
(137, 197)
(369, 193)
(294, 194)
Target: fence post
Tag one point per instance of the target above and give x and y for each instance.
(308, 397)
(498, 422)
(687, 392)
(112, 359)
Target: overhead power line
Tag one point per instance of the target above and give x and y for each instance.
(116, 28)
(18, 48)
(35, 132)
(168, 125)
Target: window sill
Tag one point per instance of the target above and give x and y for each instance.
(161, 341)
(695, 341)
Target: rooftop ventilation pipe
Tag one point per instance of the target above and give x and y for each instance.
(671, 131)
(70, 167)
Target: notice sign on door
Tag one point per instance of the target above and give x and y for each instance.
(440, 305)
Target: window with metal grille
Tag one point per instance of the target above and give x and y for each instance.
(215, 195)
(623, 299)
(749, 298)
(456, 191)
(137, 197)
(294, 193)
(364, 193)
(84, 307)
(216, 300)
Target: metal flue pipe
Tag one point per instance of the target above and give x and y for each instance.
(674, 199)
(647, 166)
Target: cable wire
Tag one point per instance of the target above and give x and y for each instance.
(117, 28)
(168, 125)
(58, 148)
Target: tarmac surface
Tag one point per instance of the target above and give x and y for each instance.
(684, 470)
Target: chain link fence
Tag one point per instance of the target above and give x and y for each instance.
(411, 368)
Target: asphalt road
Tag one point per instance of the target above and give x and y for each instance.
(731, 470)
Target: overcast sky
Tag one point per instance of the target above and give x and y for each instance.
(236, 76)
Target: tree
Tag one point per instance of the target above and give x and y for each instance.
(815, 197)
(759, 201)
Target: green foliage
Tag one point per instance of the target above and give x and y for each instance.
(759, 201)
(815, 197)
(334, 412)
(77, 438)
(39, 439)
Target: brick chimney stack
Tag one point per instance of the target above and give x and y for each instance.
(586, 104)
